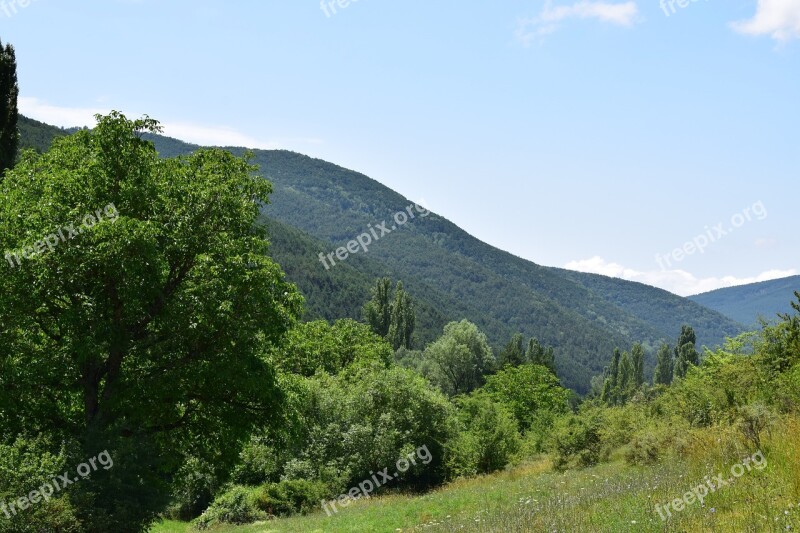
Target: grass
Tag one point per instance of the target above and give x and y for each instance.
(611, 497)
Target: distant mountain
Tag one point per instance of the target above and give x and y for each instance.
(38, 135)
(318, 206)
(746, 303)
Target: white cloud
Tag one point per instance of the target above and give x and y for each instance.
(189, 132)
(779, 19)
(549, 20)
(676, 281)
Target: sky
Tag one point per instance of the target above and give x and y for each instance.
(656, 142)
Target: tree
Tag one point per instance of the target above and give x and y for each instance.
(625, 381)
(637, 358)
(686, 354)
(529, 391)
(460, 358)
(403, 319)
(378, 311)
(145, 332)
(487, 439)
(9, 91)
(611, 388)
(512, 354)
(664, 372)
(317, 345)
(391, 318)
(539, 355)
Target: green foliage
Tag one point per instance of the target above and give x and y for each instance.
(637, 360)
(378, 311)
(513, 353)
(487, 438)
(536, 354)
(193, 489)
(460, 358)
(576, 442)
(317, 345)
(393, 320)
(9, 115)
(238, 505)
(531, 393)
(664, 371)
(365, 419)
(25, 466)
(291, 496)
(403, 320)
(685, 352)
(145, 334)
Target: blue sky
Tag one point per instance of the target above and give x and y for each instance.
(594, 135)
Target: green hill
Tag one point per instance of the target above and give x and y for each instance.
(318, 207)
(748, 303)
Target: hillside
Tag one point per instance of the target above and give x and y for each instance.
(748, 303)
(318, 207)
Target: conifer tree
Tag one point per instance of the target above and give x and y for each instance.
(9, 90)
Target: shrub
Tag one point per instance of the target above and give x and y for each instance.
(752, 421)
(576, 442)
(192, 490)
(238, 505)
(289, 497)
(26, 465)
(487, 440)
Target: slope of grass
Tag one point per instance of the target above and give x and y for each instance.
(611, 497)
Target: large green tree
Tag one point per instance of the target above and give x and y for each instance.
(144, 330)
(9, 91)
(460, 358)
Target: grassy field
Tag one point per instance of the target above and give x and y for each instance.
(611, 497)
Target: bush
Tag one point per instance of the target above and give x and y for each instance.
(366, 418)
(26, 465)
(238, 505)
(752, 421)
(487, 440)
(289, 497)
(192, 490)
(576, 442)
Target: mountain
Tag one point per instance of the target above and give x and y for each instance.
(37, 135)
(748, 303)
(317, 207)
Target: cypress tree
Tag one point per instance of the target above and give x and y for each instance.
(9, 91)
